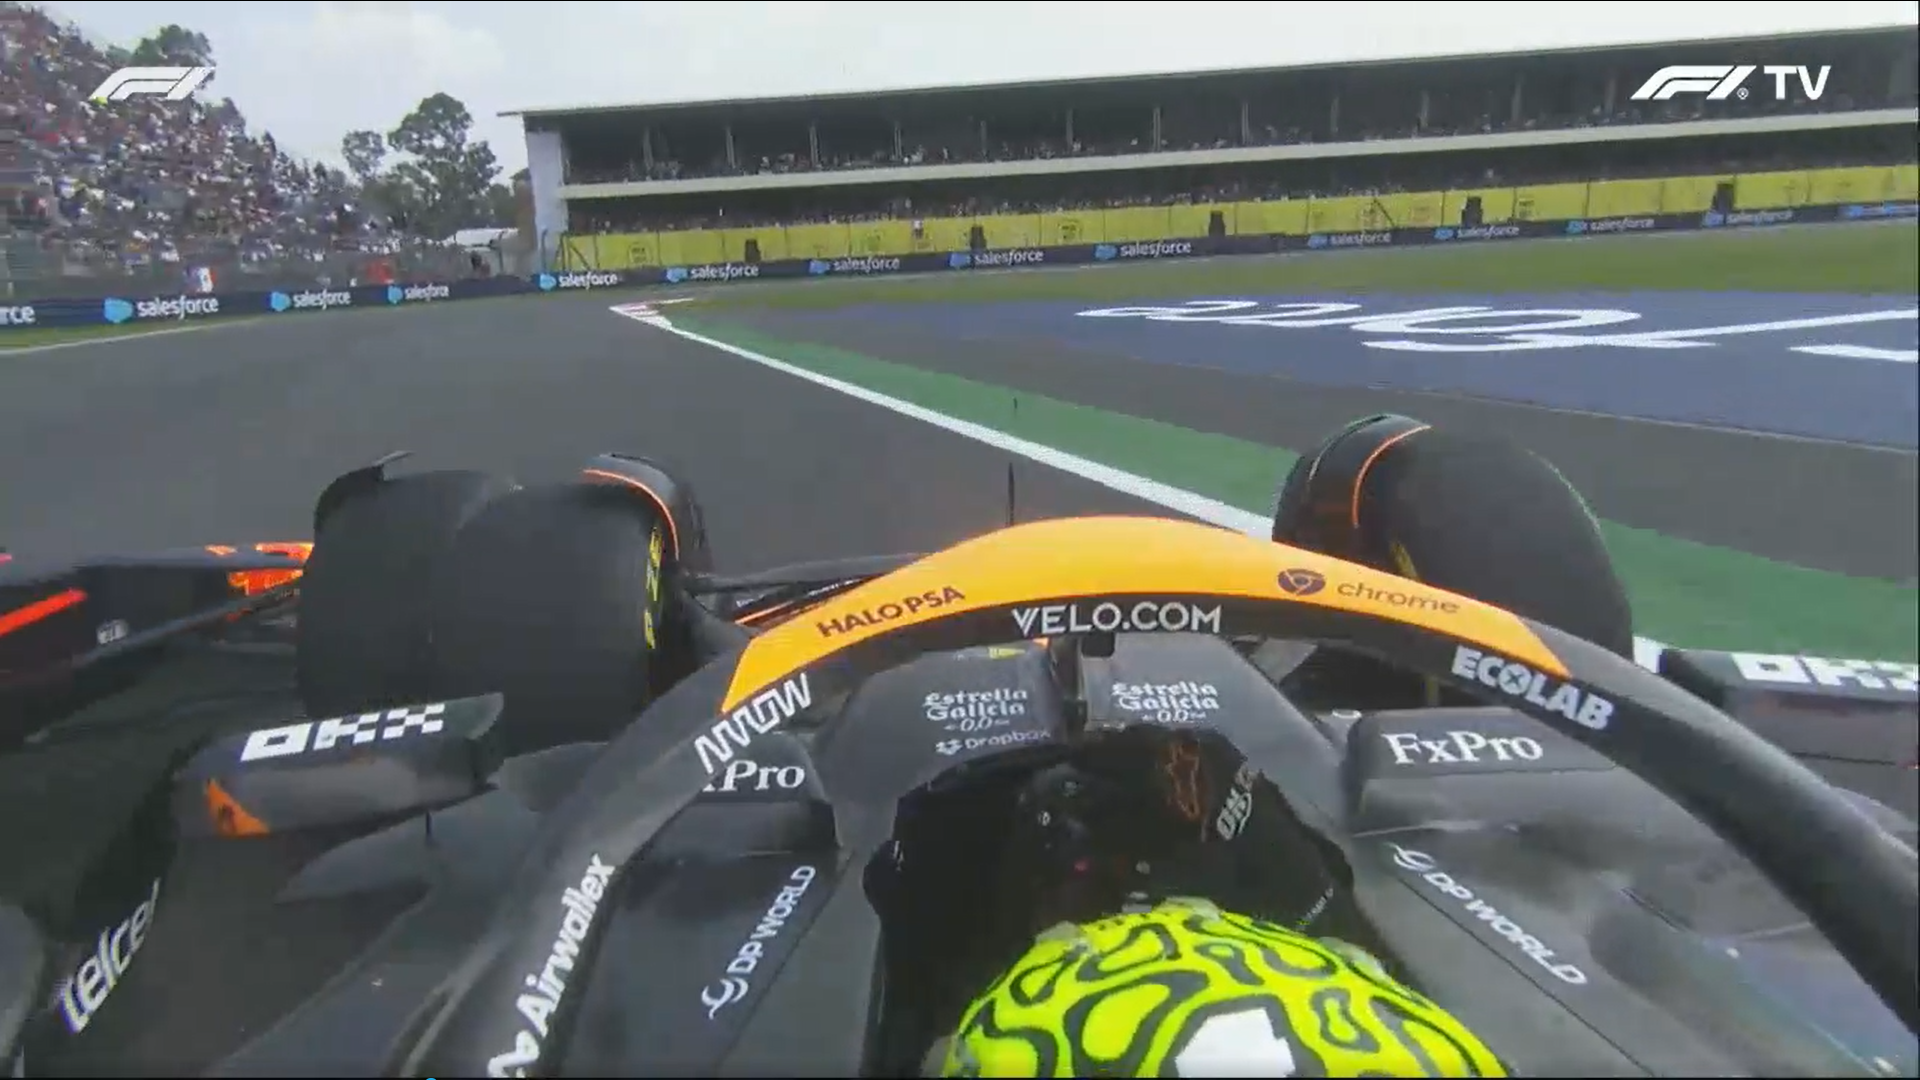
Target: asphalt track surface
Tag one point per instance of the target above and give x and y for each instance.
(228, 433)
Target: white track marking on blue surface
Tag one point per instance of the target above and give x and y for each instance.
(1667, 339)
(1862, 352)
(1646, 651)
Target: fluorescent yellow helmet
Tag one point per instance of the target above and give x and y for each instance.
(1189, 990)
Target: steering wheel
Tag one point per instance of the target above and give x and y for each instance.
(1855, 882)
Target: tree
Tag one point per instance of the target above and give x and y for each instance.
(404, 193)
(445, 180)
(364, 152)
(502, 208)
(436, 128)
(473, 176)
(175, 45)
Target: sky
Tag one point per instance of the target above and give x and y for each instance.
(309, 72)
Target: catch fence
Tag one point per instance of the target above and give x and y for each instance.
(33, 270)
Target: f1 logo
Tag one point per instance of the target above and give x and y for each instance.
(1717, 81)
(1722, 81)
(174, 83)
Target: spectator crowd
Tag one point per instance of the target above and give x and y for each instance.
(145, 184)
(1287, 108)
(148, 185)
(1184, 113)
(1320, 178)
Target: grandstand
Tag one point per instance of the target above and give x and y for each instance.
(157, 192)
(1328, 149)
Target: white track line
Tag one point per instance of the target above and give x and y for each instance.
(1200, 507)
(1211, 511)
(1670, 338)
(1862, 352)
(18, 350)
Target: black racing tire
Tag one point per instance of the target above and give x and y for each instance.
(550, 597)
(1292, 490)
(1489, 519)
(1478, 516)
(1497, 522)
(363, 637)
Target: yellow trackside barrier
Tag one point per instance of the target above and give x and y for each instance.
(1287, 217)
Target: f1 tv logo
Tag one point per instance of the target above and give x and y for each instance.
(1722, 81)
(175, 83)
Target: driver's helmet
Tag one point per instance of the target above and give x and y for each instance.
(1187, 989)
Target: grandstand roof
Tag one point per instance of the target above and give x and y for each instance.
(912, 90)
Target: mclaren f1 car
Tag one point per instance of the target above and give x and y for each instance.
(508, 780)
